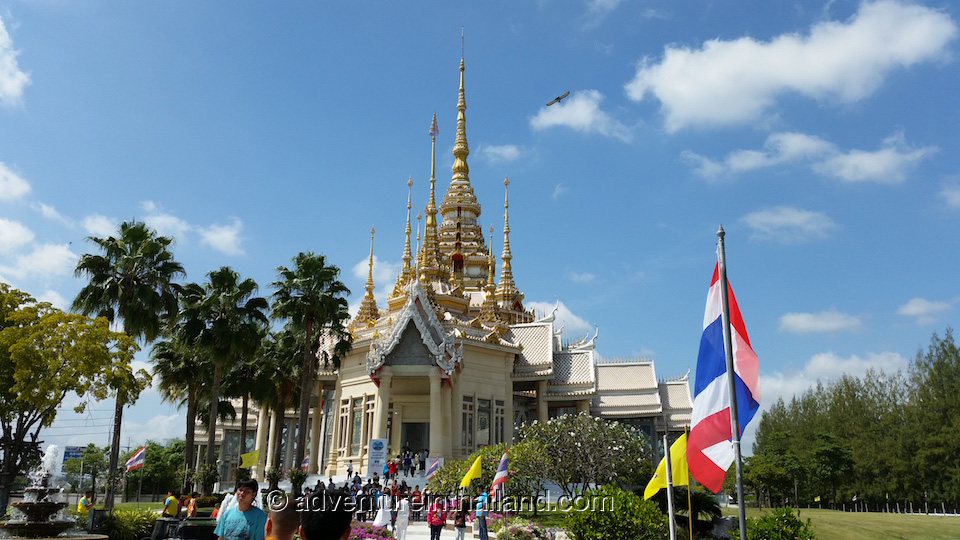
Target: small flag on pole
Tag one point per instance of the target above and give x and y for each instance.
(499, 479)
(678, 466)
(137, 460)
(249, 459)
(434, 467)
(305, 463)
(473, 472)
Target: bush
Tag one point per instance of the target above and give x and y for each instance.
(368, 531)
(616, 514)
(520, 529)
(132, 524)
(781, 524)
(209, 501)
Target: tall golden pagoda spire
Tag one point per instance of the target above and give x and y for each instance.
(407, 270)
(368, 312)
(429, 257)
(506, 290)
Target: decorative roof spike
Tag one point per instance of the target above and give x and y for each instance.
(407, 271)
(506, 290)
(368, 312)
(460, 148)
(430, 257)
(488, 310)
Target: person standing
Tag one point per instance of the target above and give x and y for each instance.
(403, 517)
(383, 509)
(171, 505)
(482, 510)
(350, 469)
(460, 517)
(436, 517)
(244, 521)
(192, 505)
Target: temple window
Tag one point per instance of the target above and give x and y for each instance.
(498, 422)
(467, 423)
(483, 422)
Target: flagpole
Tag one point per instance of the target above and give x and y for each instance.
(689, 487)
(670, 510)
(731, 378)
(140, 487)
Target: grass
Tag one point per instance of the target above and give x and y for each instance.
(837, 525)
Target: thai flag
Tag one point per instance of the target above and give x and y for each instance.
(499, 479)
(136, 461)
(710, 449)
(305, 463)
(434, 467)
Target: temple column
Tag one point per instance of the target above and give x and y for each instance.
(436, 415)
(315, 434)
(583, 406)
(445, 393)
(331, 468)
(542, 414)
(381, 409)
(272, 444)
(456, 419)
(263, 425)
(508, 403)
(396, 421)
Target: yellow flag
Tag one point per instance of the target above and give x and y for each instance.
(249, 459)
(816, 499)
(678, 465)
(474, 472)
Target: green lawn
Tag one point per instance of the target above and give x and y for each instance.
(836, 525)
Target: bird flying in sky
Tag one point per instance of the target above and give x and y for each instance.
(558, 98)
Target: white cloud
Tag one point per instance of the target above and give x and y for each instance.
(51, 213)
(11, 186)
(787, 225)
(573, 325)
(223, 238)
(505, 153)
(889, 164)
(164, 223)
(825, 321)
(13, 234)
(12, 79)
(825, 367)
(597, 11)
(54, 298)
(581, 112)
(100, 226)
(582, 277)
(925, 311)
(560, 189)
(738, 81)
(44, 260)
(951, 194)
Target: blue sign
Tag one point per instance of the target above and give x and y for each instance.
(71, 452)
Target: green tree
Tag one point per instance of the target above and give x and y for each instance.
(44, 355)
(132, 281)
(614, 513)
(93, 461)
(278, 363)
(240, 381)
(313, 299)
(182, 370)
(223, 317)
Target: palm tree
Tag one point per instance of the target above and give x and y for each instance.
(278, 374)
(223, 317)
(240, 381)
(182, 371)
(131, 281)
(312, 298)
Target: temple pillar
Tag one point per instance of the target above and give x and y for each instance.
(382, 407)
(272, 444)
(583, 406)
(263, 424)
(395, 431)
(445, 393)
(331, 468)
(508, 403)
(456, 419)
(542, 413)
(315, 433)
(436, 415)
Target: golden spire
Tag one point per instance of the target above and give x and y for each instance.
(488, 310)
(407, 272)
(460, 148)
(430, 256)
(368, 312)
(506, 290)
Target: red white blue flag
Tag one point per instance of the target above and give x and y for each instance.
(710, 446)
(499, 479)
(434, 467)
(137, 460)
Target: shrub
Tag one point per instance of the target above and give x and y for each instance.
(369, 531)
(519, 528)
(209, 501)
(297, 477)
(781, 524)
(130, 524)
(616, 514)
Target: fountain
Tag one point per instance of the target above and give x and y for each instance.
(38, 514)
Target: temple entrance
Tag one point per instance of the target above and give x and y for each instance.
(416, 435)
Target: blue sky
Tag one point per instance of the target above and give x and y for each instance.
(822, 135)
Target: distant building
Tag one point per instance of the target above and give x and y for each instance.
(454, 361)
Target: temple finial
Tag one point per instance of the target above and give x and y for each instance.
(506, 290)
(368, 312)
(407, 271)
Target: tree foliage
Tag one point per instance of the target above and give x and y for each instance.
(614, 513)
(44, 355)
(880, 437)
